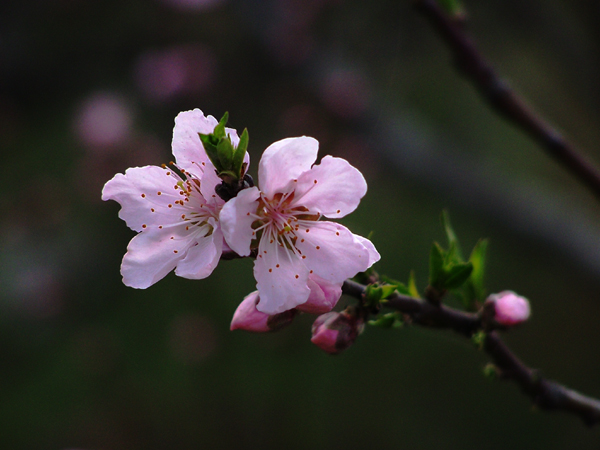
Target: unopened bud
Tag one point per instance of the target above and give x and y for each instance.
(335, 332)
(247, 317)
(509, 309)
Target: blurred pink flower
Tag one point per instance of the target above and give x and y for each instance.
(104, 118)
(164, 74)
(510, 309)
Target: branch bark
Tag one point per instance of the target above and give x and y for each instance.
(503, 99)
(545, 394)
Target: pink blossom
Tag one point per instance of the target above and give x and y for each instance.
(247, 317)
(510, 309)
(175, 212)
(334, 332)
(323, 295)
(282, 221)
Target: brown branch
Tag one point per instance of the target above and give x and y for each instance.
(546, 394)
(503, 99)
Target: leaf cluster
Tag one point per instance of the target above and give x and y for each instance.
(449, 271)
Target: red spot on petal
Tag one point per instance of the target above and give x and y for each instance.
(183, 216)
(338, 211)
(307, 230)
(311, 271)
(144, 226)
(277, 265)
(303, 256)
(143, 195)
(318, 248)
(270, 270)
(169, 205)
(174, 251)
(152, 209)
(301, 240)
(315, 181)
(172, 237)
(297, 276)
(159, 193)
(160, 227)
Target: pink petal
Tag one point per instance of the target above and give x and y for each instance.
(187, 147)
(247, 317)
(332, 252)
(202, 258)
(236, 219)
(284, 161)
(374, 255)
(281, 279)
(323, 295)
(137, 191)
(333, 188)
(152, 255)
(209, 181)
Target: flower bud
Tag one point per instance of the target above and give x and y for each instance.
(509, 309)
(334, 332)
(323, 295)
(247, 317)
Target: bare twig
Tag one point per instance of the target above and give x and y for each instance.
(503, 99)
(546, 394)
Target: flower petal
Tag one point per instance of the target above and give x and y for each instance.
(284, 161)
(144, 194)
(374, 255)
(333, 188)
(236, 219)
(186, 145)
(323, 295)
(281, 279)
(202, 258)
(152, 255)
(331, 251)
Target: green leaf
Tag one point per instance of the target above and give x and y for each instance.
(457, 275)
(211, 150)
(388, 320)
(387, 290)
(477, 258)
(373, 293)
(225, 153)
(454, 249)
(240, 152)
(219, 131)
(436, 265)
(412, 285)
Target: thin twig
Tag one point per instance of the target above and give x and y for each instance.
(503, 99)
(546, 394)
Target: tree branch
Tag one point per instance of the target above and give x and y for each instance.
(503, 99)
(546, 394)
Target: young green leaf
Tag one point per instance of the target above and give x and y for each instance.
(436, 265)
(412, 285)
(457, 275)
(240, 152)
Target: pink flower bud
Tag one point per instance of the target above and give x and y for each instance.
(323, 295)
(509, 308)
(334, 332)
(247, 317)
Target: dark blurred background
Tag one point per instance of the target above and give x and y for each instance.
(88, 89)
